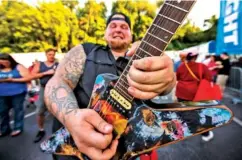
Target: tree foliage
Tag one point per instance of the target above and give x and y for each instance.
(142, 14)
(64, 24)
(92, 22)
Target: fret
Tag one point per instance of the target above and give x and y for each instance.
(166, 23)
(186, 4)
(179, 8)
(128, 66)
(124, 93)
(126, 71)
(151, 45)
(162, 36)
(170, 19)
(136, 55)
(160, 45)
(125, 82)
(163, 29)
(123, 87)
(147, 53)
(157, 38)
(123, 78)
(176, 15)
(141, 54)
(151, 50)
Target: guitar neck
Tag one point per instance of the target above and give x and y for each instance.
(158, 36)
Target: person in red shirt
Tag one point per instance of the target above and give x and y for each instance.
(187, 83)
(213, 67)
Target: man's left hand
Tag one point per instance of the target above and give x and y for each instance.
(150, 76)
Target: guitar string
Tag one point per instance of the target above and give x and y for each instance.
(162, 19)
(145, 46)
(110, 102)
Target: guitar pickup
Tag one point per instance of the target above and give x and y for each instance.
(120, 99)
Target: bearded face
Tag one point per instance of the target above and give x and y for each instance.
(118, 34)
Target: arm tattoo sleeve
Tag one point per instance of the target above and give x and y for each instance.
(59, 96)
(73, 65)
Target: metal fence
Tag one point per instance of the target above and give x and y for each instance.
(235, 83)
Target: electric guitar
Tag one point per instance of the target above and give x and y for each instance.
(142, 128)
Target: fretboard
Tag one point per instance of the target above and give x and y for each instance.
(169, 18)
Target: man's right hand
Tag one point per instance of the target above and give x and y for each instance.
(92, 135)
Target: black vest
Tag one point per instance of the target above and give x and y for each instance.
(99, 60)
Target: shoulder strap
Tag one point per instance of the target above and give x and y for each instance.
(200, 71)
(190, 71)
(89, 47)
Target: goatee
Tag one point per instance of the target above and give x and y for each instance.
(117, 45)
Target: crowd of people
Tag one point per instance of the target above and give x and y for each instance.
(73, 81)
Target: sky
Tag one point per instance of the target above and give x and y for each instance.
(203, 9)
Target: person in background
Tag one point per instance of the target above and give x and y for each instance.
(238, 63)
(12, 95)
(178, 63)
(206, 60)
(223, 72)
(13, 78)
(34, 82)
(187, 84)
(213, 67)
(41, 67)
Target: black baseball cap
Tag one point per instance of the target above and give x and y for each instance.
(125, 18)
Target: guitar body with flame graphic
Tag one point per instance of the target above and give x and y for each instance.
(141, 127)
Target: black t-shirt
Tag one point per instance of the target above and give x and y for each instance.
(226, 67)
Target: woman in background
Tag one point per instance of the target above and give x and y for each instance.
(13, 78)
(12, 95)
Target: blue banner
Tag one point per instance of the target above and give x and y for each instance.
(229, 31)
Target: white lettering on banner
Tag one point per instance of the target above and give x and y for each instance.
(232, 5)
(231, 21)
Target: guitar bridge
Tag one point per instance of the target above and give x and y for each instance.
(120, 99)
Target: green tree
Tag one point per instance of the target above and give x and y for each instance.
(70, 4)
(26, 28)
(59, 25)
(141, 14)
(92, 22)
(199, 36)
(20, 28)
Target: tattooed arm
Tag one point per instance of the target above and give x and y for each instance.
(59, 96)
(92, 135)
